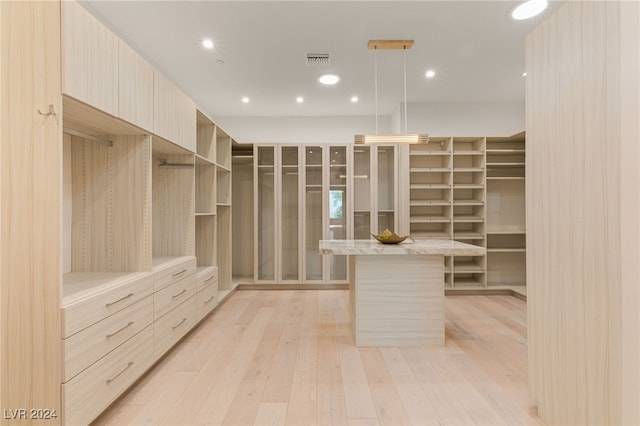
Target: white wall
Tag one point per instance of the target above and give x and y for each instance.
(582, 214)
(454, 119)
(462, 119)
(300, 129)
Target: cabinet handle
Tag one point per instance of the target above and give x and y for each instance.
(119, 300)
(120, 329)
(209, 279)
(121, 371)
(179, 324)
(179, 273)
(209, 299)
(179, 294)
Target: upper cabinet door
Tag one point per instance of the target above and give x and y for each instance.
(135, 103)
(90, 59)
(174, 114)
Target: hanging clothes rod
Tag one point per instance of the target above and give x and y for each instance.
(107, 142)
(164, 164)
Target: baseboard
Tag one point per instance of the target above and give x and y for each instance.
(293, 286)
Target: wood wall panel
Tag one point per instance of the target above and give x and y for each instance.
(30, 177)
(574, 206)
(111, 216)
(135, 88)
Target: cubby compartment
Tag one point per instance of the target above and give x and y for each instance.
(506, 242)
(224, 248)
(223, 149)
(206, 138)
(436, 146)
(223, 181)
(205, 174)
(506, 268)
(431, 230)
(469, 146)
(506, 206)
(206, 240)
(106, 209)
(469, 232)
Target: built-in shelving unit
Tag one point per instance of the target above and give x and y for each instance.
(223, 210)
(506, 231)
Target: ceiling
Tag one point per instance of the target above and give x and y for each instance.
(476, 50)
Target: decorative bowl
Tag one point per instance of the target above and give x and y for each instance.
(388, 237)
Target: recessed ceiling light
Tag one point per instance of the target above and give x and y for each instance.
(329, 79)
(245, 100)
(299, 99)
(354, 99)
(207, 43)
(524, 74)
(528, 9)
(430, 74)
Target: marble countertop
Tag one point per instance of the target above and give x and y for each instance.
(373, 247)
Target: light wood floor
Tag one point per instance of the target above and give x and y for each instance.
(288, 358)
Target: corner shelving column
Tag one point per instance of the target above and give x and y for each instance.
(206, 200)
(506, 234)
(430, 192)
(469, 209)
(223, 208)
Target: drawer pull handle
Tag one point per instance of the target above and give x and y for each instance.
(119, 300)
(210, 299)
(121, 371)
(179, 294)
(120, 329)
(179, 324)
(209, 279)
(179, 273)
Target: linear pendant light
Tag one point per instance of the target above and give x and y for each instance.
(406, 138)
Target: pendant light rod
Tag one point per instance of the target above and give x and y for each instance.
(375, 72)
(405, 89)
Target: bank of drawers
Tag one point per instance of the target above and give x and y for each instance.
(112, 336)
(207, 291)
(90, 392)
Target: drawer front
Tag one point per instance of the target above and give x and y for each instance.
(207, 277)
(173, 295)
(206, 300)
(83, 314)
(173, 273)
(88, 346)
(90, 392)
(171, 327)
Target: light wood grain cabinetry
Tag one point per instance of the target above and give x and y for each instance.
(174, 114)
(207, 291)
(30, 190)
(90, 59)
(135, 87)
(223, 210)
(89, 393)
(301, 196)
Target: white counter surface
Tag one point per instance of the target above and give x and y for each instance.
(373, 247)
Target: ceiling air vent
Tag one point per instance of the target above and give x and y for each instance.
(317, 59)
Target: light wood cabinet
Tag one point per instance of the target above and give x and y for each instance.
(135, 88)
(174, 114)
(30, 190)
(90, 59)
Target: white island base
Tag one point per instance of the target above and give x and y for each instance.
(397, 292)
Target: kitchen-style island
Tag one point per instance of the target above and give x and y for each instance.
(397, 290)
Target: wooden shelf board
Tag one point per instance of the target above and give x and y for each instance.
(418, 203)
(425, 234)
(429, 169)
(468, 169)
(506, 232)
(468, 219)
(467, 268)
(506, 250)
(505, 151)
(221, 168)
(427, 153)
(505, 178)
(468, 186)
(201, 160)
(505, 164)
(468, 152)
(430, 219)
(429, 186)
(206, 214)
(162, 262)
(468, 203)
